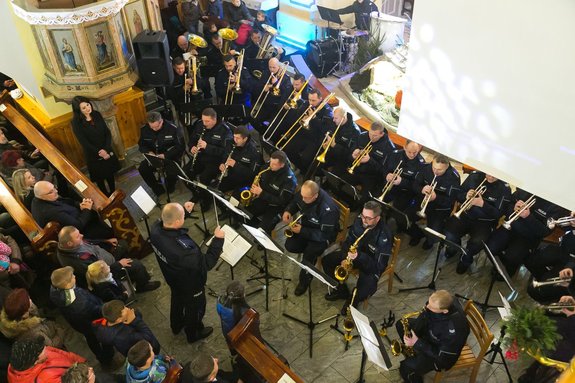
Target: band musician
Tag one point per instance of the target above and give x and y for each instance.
(516, 245)
(362, 10)
(208, 142)
(370, 259)
(215, 56)
(241, 161)
(305, 143)
(480, 218)
(441, 198)
(226, 82)
(182, 47)
(437, 336)
(273, 192)
(181, 85)
(316, 228)
(346, 139)
(277, 87)
(160, 138)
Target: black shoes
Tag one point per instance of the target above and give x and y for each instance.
(301, 288)
(151, 285)
(462, 268)
(340, 293)
(203, 333)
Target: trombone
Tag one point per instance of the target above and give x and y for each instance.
(257, 107)
(561, 222)
(364, 152)
(234, 88)
(321, 157)
(427, 198)
(291, 103)
(396, 173)
(513, 216)
(288, 231)
(305, 122)
(467, 204)
(551, 281)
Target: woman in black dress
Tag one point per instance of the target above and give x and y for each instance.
(96, 140)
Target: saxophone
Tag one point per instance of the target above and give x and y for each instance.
(195, 157)
(246, 196)
(397, 346)
(342, 271)
(348, 323)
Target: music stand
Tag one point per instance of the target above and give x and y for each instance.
(197, 185)
(160, 165)
(436, 269)
(235, 247)
(329, 15)
(338, 184)
(235, 111)
(322, 277)
(195, 107)
(499, 270)
(268, 245)
(495, 348)
(140, 204)
(373, 347)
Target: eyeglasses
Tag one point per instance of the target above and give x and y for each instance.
(367, 218)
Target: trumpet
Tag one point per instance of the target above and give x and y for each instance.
(348, 323)
(247, 196)
(396, 173)
(551, 281)
(513, 216)
(557, 307)
(257, 107)
(341, 272)
(466, 205)
(288, 231)
(224, 172)
(427, 198)
(321, 157)
(397, 346)
(195, 156)
(561, 222)
(364, 152)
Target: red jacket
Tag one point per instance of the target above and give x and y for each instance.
(50, 371)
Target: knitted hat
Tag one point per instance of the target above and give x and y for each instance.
(61, 277)
(16, 304)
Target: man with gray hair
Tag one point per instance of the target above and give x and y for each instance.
(161, 139)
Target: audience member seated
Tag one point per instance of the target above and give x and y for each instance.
(205, 368)
(238, 14)
(82, 373)
(79, 308)
(32, 361)
(122, 327)
(23, 182)
(19, 317)
(5, 353)
(74, 251)
(11, 161)
(145, 366)
(30, 154)
(10, 260)
(101, 282)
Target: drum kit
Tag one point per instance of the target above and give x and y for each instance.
(332, 55)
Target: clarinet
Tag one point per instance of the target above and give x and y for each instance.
(195, 157)
(226, 166)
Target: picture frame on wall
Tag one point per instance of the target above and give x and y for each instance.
(137, 16)
(41, 43)
(69, 56)
(101, 46)
(124, 42)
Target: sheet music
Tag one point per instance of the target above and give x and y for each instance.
(505, 311)
(143, 200)
(263, 239)
(498, 266)
(286, 379)
(230, 206)
(368, 338)
(235, 246)
(313, 273)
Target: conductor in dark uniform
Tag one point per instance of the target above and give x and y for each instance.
(185, 269)
(370, 258)
(160, 138)
(316, 228)
(437, 336)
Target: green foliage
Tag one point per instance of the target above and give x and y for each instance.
(368, 49)
(531, 329)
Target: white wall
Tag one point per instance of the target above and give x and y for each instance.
(491, 83)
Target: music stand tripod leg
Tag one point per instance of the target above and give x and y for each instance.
(495, 349)
(485, 304)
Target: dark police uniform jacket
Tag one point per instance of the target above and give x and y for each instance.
(247, 160)
(379, 152)
(496, 198)
(320, 220)
(345, 140)
(410, 168)
(183, 265)
(446, 189)
(165, 141)
(315, 132)
(285, 89)
(278, 187)
(374, 248)
(246, 84)
(441, 336)
(217, 139)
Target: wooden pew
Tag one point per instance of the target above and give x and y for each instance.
(109, 208)
(254, 352)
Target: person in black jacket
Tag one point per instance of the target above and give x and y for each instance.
(95, 138)
(103, 284)
(226, 83)
(437, 336)
(346, 139)
(441, 199)
(238, 13)
(185, 269)
(480, 219)
(240, 164)
(272, 193)
(362, 10)
(160, 138)
(122, 327)
(79, 308)
(370, 258)
(317, 226)
(516, 245)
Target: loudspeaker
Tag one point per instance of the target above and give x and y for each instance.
(153, 58)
